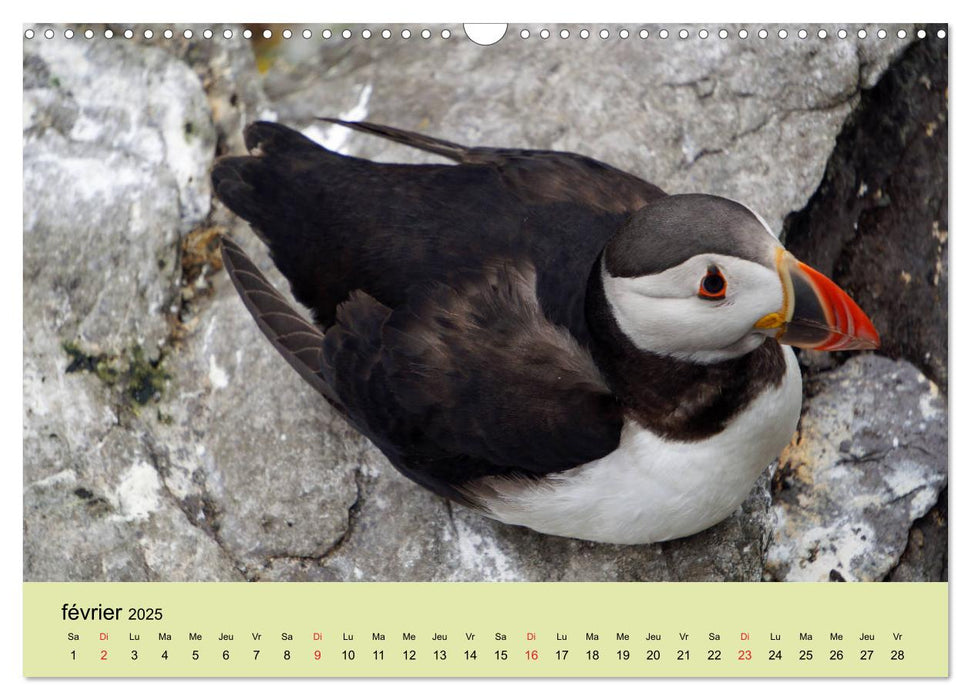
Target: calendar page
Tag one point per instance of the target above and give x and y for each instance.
(508, 350)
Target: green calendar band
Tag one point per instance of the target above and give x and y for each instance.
(486, 629)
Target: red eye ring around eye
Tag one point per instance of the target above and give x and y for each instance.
(713, 284)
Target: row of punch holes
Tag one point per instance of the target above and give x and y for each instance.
(406, 33)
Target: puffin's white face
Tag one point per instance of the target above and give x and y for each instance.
(739, 288)
(704, 310)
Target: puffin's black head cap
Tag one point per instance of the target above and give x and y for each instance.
(668, 232)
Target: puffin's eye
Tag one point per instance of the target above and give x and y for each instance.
(712, 284)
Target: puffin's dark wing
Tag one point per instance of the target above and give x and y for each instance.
(536, 177)
(335, 223)
(468, 379)
(300, 343)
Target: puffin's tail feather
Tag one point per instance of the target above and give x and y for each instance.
(448, 149)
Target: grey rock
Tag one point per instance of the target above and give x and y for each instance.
(925, 558)
(95, 507)
(869, 458)
(402, 532)
(878, 225)
(123, 99)
(273, 466)
(117, 145)
(227, 69)
(112, 177)
(751, 119)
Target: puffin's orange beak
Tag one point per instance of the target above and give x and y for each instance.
(817, 314)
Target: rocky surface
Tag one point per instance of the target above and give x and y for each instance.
(869, 458)
(751, 119)
(878, 226)
(164, 439)
(118, 140)
(878, 223)
(926, 555)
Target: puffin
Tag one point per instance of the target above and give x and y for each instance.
(536, 335)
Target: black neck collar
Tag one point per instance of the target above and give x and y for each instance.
(673, 398)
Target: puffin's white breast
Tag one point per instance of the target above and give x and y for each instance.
(651, 489)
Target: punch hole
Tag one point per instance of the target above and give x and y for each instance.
(346, 33)
(544, 34)
(386, 34)
(247, 34)
(168, 33)
(743, 33)
(763, 34)
(227, 34)
(88, 34)
(941, 34)
(483, 34)
(624, 33)
(822, 34)
(287, 34)
(901, 33)
(783, 34)
(722, 33)
(841, 33)
(643, 34)
(803, 33)
(564, 33)
(326, 34)
(405, 33)
(426, 34)
(604, 34)
(267, 34)
(366, 34)
(129, 34)
(187, 33)
(446, 33)
(68, 33)
(882, 34)
(663, 34)
(861, 33)
(584, 33)
(921, 34)
(49, 34)
(683, 34)
(306, 33)
(703, 34)
(524, 34)
(148, 34)
(29, 34)
(109, 34)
